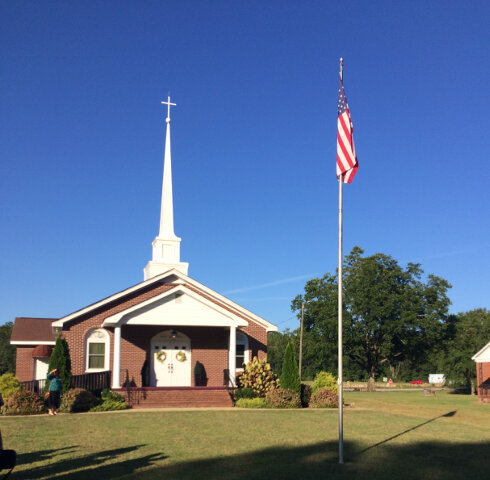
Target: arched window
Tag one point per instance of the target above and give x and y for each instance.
(97, 344)
(242, 352)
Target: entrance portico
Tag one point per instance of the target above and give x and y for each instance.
(175, 308)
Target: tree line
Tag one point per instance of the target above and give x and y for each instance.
(396, 324)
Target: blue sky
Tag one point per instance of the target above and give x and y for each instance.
(253, 145)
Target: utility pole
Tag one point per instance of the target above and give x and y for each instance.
(301, 339)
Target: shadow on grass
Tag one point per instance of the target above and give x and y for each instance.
(386, 461)
(447, 415)
(41, 455)
(89, 466)
(427, 460)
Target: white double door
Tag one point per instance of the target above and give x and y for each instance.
(171, 358)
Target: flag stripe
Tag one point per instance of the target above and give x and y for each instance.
(347, 163)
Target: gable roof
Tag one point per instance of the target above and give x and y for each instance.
(482, 355)
(176, 278)
(32, 331)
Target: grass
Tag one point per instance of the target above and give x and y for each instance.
(401, 435)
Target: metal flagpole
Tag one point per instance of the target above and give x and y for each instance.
(340, 353)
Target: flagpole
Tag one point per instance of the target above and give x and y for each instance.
(340, 353)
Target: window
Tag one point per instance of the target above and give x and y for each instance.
(97, 350)
(242, 354)
(96, 355)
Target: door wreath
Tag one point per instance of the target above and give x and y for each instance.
(180, 357)
(161, 356)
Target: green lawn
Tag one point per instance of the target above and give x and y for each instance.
(392, 435)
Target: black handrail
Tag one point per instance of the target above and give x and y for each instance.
(95, 382)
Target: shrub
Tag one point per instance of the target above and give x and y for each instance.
(324, 380)
(77, 400)
(60, 359)
(290, 373)
(251, 403)
(305, 395)
(324, 398)
(23, 403)
(259, 376)
(244, 392)
(110, 401)
(9, 384)
(109, 405)
(282, 398)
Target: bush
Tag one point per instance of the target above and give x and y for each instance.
(109, 405)
(324, 398)
(244, 392)
(9, 384)
(110, 401)
(60, 359)
(290, 373)
(324, 380)
(77, 400)
(23, 403)
(305, 395)
(251, 403)
(282, 398)
(259, 376)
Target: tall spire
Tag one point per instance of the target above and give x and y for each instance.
(166, 246)
(167, 210)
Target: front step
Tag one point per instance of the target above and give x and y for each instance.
(180, 397)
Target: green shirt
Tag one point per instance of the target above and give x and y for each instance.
(55, 383)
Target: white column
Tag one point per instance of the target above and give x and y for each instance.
(116, 369)
(232, 357)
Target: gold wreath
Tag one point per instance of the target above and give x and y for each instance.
(161, 356)
(180, 357)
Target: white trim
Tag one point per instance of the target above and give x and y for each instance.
(124, 318)
(480, 353)
(242, 339)
(107, 350)
(232, 357)
(179, 278)
(31, 342)
(116, 370)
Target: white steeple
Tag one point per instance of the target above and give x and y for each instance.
(166, 246)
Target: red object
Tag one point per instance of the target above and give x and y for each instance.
(417, 382)
(346, 152)
(42, 351)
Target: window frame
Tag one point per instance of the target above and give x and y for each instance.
(242, 339)
(97, 336)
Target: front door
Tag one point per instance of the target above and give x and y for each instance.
(171, 360)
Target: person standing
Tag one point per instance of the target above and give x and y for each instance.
(55, 387)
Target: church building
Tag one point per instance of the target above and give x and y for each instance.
(174, 340)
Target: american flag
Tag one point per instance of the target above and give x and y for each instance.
(346, 152)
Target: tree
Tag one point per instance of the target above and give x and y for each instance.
(7, 351)
(389, 314)
(276, 347)
(60, 359)
(471, 332)
(290, 372)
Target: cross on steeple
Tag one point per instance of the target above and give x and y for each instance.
(166, 246)
(168, 111)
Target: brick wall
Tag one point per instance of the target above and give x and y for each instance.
(209, 345)
(24, 365)
(483, 376)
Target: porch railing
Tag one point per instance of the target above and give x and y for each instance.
(95, 382)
